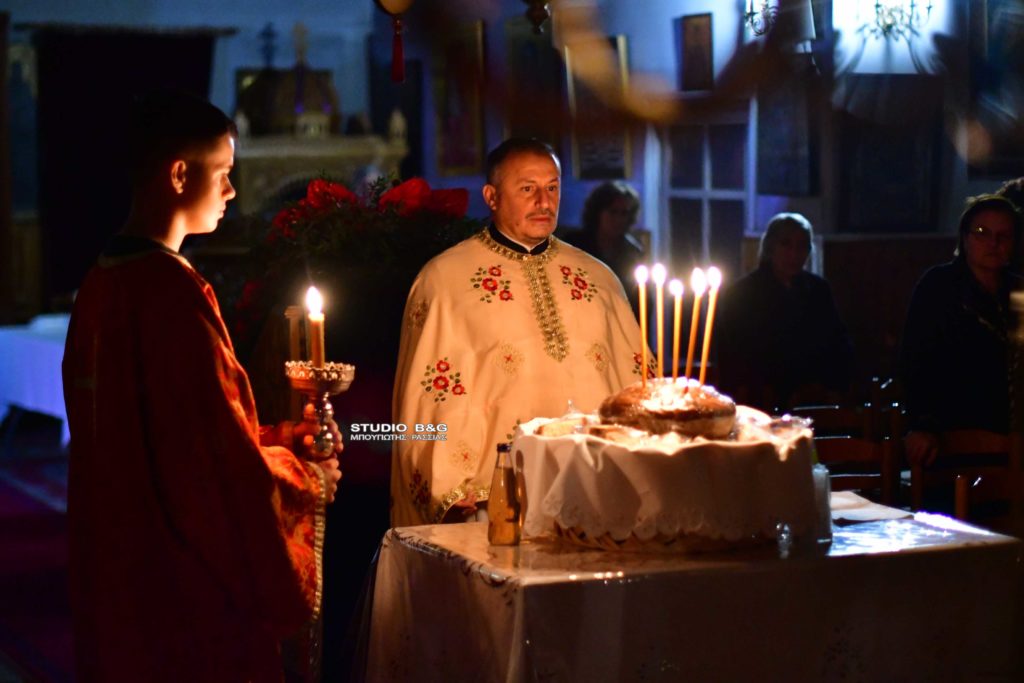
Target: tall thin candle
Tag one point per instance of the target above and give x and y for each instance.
(315, 304)
(676, 288)
(658, 274)
(698, 283)
(641, 274)
(714, 282)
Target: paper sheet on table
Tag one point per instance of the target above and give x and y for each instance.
(848, 507)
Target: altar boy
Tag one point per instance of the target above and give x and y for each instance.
(192, 530)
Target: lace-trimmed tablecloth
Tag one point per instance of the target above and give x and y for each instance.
(728, 490)
(905, 600)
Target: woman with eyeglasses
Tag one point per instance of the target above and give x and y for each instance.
(954, 360)
(609, 214)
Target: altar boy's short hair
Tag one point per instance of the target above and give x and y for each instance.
(168, 125)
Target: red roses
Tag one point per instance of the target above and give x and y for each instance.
(405, 199)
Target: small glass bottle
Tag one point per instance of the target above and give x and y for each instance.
(521, 491)
(503, 526)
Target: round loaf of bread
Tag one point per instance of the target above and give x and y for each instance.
(662, 406)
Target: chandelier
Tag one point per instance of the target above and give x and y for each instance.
(899, 20)
(760, 19)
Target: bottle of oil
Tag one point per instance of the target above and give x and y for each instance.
(503, 527)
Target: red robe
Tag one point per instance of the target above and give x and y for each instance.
(193, 547)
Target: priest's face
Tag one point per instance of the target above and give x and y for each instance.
(207, 189)
(524, 197)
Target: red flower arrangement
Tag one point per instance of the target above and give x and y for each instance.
(391, 230)
(326, 199)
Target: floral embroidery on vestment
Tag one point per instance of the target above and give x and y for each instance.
(463, 458)
(418, 314)
(598, 355)
(511, 435)
(488, 281)
(419, 491)
(439, 380)
(651, 365)
(545, 309)
(580, 288)
(509, 359)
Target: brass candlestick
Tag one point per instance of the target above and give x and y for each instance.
(318, 385)
(303, 653)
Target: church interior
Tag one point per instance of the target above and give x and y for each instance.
(874, 120)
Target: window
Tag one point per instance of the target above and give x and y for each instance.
(708, 190)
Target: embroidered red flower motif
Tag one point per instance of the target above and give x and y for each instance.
(579, 286)
(636, 358)
(495, 271)
(442, 366)
(490, 284)
(505, 295)
(323, 194)
(458, 390)
(440, 382)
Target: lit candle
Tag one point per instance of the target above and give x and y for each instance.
(676, 288)
(315, 304)
(658, 275)
(714, 282)
(698, 283)
(641, 280)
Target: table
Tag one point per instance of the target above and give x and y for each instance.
(927, 598)
(30, 367)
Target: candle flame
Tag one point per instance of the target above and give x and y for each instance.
(658, 274)
(641, 275)
(698, 282)
(314, 301)
(675, 287)
(714, 277)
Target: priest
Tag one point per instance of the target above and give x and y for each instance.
(508, 325)
(193, 531)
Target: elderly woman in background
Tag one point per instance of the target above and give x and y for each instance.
(780, 341)
(954, 361)
(609, 212)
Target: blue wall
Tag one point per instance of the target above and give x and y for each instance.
(337, 33)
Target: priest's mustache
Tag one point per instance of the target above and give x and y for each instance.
(544, 212)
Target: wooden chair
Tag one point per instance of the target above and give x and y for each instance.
(856, 444)
(983, 468)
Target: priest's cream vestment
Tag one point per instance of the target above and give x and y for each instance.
(493, 336)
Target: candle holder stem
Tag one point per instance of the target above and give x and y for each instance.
(318, 384)
(318, 406)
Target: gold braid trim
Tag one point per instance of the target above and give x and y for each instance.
(545, 309)
(457, 494)
(320, 524)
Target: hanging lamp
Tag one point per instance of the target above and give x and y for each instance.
(395, 9)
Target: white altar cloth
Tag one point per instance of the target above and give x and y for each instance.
(925, 599)
(30, 360)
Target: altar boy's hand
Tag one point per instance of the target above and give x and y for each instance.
(305, 431)
(332, 475)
